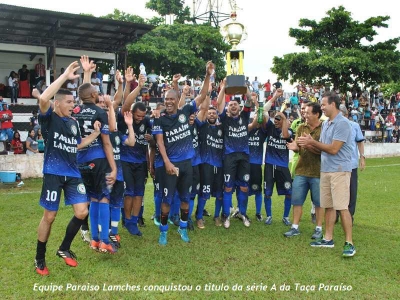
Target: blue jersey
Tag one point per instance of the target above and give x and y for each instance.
(277, 152)
(88, 114)
(116, 145)
(211, 138)
(235, 132)
(256, 145)
(176, 133)
(137, 153)
(196, 159)
(61, 136)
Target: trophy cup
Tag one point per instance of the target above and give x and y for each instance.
(235, 80)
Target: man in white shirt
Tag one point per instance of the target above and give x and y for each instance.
(255, 84)
(153, 77)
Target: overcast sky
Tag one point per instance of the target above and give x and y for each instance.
(267, 22)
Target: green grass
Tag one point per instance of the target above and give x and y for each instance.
(240, 256)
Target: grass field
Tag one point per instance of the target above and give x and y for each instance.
(233, 260)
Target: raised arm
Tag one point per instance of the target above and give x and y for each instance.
(118, 95)
(132, 96)
(44, 99)
(182, 100)
(129, 77)
(268, 105)
(202, 114)
(210, 69)
(88, 68)
(221, 97)
(112, 122)
(174, 84)
(131, 140)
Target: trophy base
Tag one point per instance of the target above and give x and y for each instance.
(235, 85)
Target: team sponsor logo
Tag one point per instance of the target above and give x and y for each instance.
(219, 132)
(198, 186)
(195, 131)
(74, 129)
(240, 121)
(117, 140)
(254, 187)
(182, 118)
(287, 185)
(141, 128)
(81, 188)
(246, 177)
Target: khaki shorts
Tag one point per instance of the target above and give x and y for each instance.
(335, 190)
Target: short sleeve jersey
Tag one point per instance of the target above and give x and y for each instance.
(137, 153)
(88, 114)
(235, 132)
(277, 152)
(211, 137)
(176, 133)
(61, 137)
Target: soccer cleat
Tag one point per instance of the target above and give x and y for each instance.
(157, 221)
(162, 240)
(246, 220)
(68, 256)
(323, 243)
(235, 213)
(206, 213)
(348, 250)
(40, 267)
(217, 221)
(85, 235)
(184, 234)
(317, 235)
(268, 220)
(133, 229)
(94, 245)
(190, 225)
(115, 239)
(226, 221)
(141, 222)
(200, 223)
(314, 218)
(259, 217)
(107, 248)
(286, 221)
(292, 232)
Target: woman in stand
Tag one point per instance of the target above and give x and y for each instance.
(31, 143)
(40, 141)
(16, 144)
(14, 86)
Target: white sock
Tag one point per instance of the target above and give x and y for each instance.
(295, 226)
(319, 228)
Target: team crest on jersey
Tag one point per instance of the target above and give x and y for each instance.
(219, 132)
(182, 118)
(141, 128)
(287, 185)
(74, 129)
(240, 121)
(117, 140)
(81, 188)
(246, 177)
(254, 187)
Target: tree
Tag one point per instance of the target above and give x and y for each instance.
(180, 48)
(171, 7)
(340, 53)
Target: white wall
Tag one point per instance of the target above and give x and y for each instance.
(31, 166)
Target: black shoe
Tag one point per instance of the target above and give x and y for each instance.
(141, 222)
(206, 213)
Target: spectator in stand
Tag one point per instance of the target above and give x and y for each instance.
(153, 79)
(40, 141)
(33, 121)
(73, 87)
(267, 87)
(95, 82)
(24, 79)
(6, 125)
(294, 101)
(197, 85)
(14, 86)
(367, 117)
(398, 117)
(16, 144)
(31, 143)
(40, 72)
(256, 84)
(277, 84)
(389, 122)
(99, 75)
(247, 82)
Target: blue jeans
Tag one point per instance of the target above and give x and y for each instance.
(14, 94)
(389, 135)
(300, 187)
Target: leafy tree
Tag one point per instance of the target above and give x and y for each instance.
(122, 16)
(171, 7)
(389, 89)
(180, 48)
(340, 53)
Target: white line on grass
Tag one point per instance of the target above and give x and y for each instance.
(393, 165)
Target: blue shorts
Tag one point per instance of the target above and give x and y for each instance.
(301, 186)
(117, 194)
(135, 176)
(7, 134)
(74, 191)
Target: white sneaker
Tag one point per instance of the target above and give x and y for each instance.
(85, 235)
(21, 183)
(246, 220)
(226, 222)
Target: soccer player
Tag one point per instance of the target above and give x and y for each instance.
(175, 143)
(336, 147)
(60, 170)
(276, 168)
(236, 159)
(134, 158)
(307, 171)
(96, 162)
